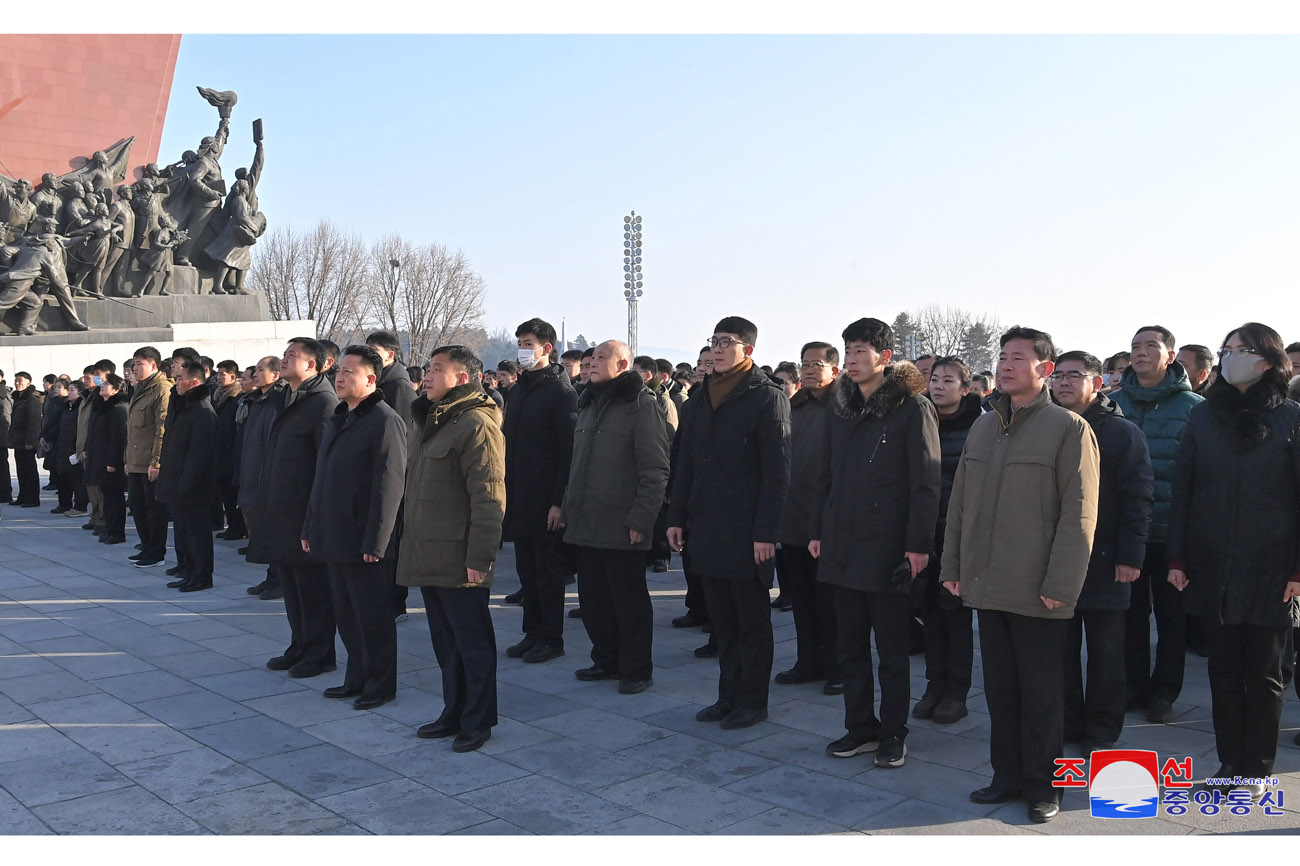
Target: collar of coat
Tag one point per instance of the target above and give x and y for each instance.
(257, 395)
(902, 380)
(805, 395)
(191, 398)
(234, 389)
(968, 412)
(1245, 412)
(1101, 410)
(119, 397)
(363, 407)
(552, 372)
(316, 384)
(1000, 404)
(623, 388)
(1175, 380)
(459, 400)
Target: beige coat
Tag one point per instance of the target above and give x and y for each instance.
(1023, 509)
(146, 421)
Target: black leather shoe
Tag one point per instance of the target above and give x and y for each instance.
(990, 795)
(343, 691)
(514, 597)
(595, 672)
(177, 584)
(708, 651)
(271, 593)
(518, 650)
(742, 718)
(543, 652)
(437, 730)
(468, 741)
(173, 571)
(113, 539)
(371, 703)
(833, 688)
(243, 551)
(924, 708)
(255, 589)
(196, 586)
(794, 676)
(634, 687)
(689, 620)
(304, 670)
(1041, 813)
(713, 713)
(576, 613)
(280, 663)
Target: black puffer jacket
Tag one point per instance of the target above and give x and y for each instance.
(952, 439)
(541, 409)
(1234, 525)
(879, 482)
(399, 391)
(25, 429)
(1125, 496)
(731, 474)
(106, 441)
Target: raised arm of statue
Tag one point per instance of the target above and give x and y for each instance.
(255, 170)
(220, 139)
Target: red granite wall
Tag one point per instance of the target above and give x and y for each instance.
(62, 97)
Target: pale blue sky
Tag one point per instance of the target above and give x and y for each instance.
(1085, 185)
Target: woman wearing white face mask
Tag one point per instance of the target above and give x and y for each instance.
(1234, 542)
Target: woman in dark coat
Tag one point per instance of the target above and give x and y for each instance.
(1234, 542)
(105, 453)
(71, 476)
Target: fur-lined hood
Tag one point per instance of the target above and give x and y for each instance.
(623, 388)
(902, 380)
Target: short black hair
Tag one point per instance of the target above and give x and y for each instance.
(1293, 347)
(874, 332)
(572, 355)
(188, 354)
(229, 366)
(1205, 358)
(313, 348)
(663, 366)
(1166, 335)
(368, 356)
(148, 353)
(115, 380)
(646, 364)
(385, 340)
(207, 362)
(85, 371)
(103, 365)
(415, 373)
(462, 357)
(919, 358)
(708, 349)
(588, 352)
(508, 366)
(790, 368)
(23, 374)
(331, 348)
(746, 330)
(1043, 347)
(1091, 363)
(539, 328)
(959, 366)
(194, 369)
(828, 351)
(49, 379)
(982, 379)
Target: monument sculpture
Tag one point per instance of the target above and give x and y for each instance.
(93, 235)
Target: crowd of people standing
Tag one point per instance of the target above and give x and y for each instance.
(1063, 499)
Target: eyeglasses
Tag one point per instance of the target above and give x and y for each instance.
(1073, 376)
(725, 342)
(1240, 352)
(814, 365)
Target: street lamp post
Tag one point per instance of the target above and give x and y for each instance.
(632, 274)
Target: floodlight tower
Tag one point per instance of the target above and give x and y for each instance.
(632, 273)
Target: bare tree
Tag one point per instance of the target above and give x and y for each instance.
(953, 331)
(320, 275)
(428, 293)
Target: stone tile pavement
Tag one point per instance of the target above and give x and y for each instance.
(126, 707)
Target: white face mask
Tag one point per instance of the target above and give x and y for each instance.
(1240, 369)
(527, 360)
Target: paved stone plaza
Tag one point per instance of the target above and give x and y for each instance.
(126, 707)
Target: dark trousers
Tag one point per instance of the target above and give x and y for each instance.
(1097, 714)
(7, 491)
(1245, 668)
(150, 515)
(814, 613)
(949, 638)
(857, 615)
(113, 493)
(310, 612)
(460, 627)
(543, 587)
(741, 614)
(249, 517)
(359, 595)
(193, 534)
(72, 488)
(228, 490)
(1023, 686)
(695, 598)
(659, 549)
(29, 479)
(396, 594)
(616, 610)
(1153, 591)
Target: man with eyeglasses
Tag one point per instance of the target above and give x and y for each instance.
(1096, 718)
(1156, 394)
(812, 602)
(733, 467)
(697, 607)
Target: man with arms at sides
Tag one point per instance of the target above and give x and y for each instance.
(288, 469)
(811, 601)
(878, 484)
(144, 437)
(732, 471)
(398, 392)
(456, 481)
(615, 491)
(660, 553)
(540, 413)
(187, 475)
(1020, 526)
(350, 524)
(1096, 718)
(1156, 395)
(261, 407)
